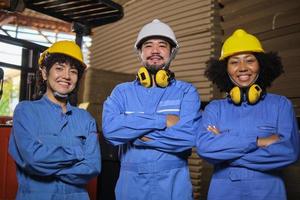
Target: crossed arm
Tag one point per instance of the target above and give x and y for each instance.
(53, 156)
(260, 153)
(163, 132)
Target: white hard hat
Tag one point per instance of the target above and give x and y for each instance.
(153, 29)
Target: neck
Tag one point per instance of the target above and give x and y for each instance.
(153, 81)
(58, 100)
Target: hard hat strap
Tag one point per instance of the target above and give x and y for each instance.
(235, 83)
(60, 96)
(172, 56)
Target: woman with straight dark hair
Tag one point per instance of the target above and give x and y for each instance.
(54, 144)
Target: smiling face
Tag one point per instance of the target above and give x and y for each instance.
(61, 78)
(155, 53)
(243, 69)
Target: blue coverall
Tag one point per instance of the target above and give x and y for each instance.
(242, 170)
(56, 153)
(156, 169)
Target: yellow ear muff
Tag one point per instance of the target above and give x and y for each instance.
(236, 95)
(162, 78)
(253, 94)
(144, 77)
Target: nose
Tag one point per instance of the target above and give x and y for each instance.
(67, 73)
(155, 49)
(243, 66)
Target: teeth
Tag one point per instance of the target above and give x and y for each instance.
(244, 77)
(63, 83)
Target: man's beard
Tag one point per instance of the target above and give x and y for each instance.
(153, 69)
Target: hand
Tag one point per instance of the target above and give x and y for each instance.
(145, 139)
(213, 129)
(172, 120)
(266, 141)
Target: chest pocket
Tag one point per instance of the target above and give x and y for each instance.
(260, 130)
(169, 107)
(265, 130)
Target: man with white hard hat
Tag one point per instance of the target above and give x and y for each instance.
(154, 120)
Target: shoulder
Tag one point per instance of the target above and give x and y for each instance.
(217, 104)
(27, 105)
(276, 99)
(184, 86)
(27, 109)
(24, 104)
(82, 116)
(82, 113)
(125, 85)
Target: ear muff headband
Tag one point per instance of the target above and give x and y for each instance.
(253, 94)
(162, 77)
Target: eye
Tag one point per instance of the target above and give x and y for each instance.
(74, 71)
(233, 62)
(147, 45)
(59, 67)
(251, 60)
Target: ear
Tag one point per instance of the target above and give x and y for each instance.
(44, 73)
(139, 55)
(139, 52)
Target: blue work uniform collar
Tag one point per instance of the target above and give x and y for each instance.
(57, 106)
(137, 82)
(244, 100)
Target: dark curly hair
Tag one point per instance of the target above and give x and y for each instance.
(270, 68)
(48, 62)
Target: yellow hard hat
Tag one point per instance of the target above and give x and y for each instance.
(65, 47)
(240, 41)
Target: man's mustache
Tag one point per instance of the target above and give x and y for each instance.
(155, 56)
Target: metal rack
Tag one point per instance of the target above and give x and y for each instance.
(84, 14)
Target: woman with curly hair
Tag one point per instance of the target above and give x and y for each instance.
(251, 134)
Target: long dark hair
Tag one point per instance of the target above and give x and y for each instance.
(48, 62)
(270, 68)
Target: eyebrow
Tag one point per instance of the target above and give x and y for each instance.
(160, 42)
(247, 56)
(73, 66)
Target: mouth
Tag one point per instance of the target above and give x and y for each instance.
(155, 60)
(244, 77)
(64, 84)
(156, 57)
